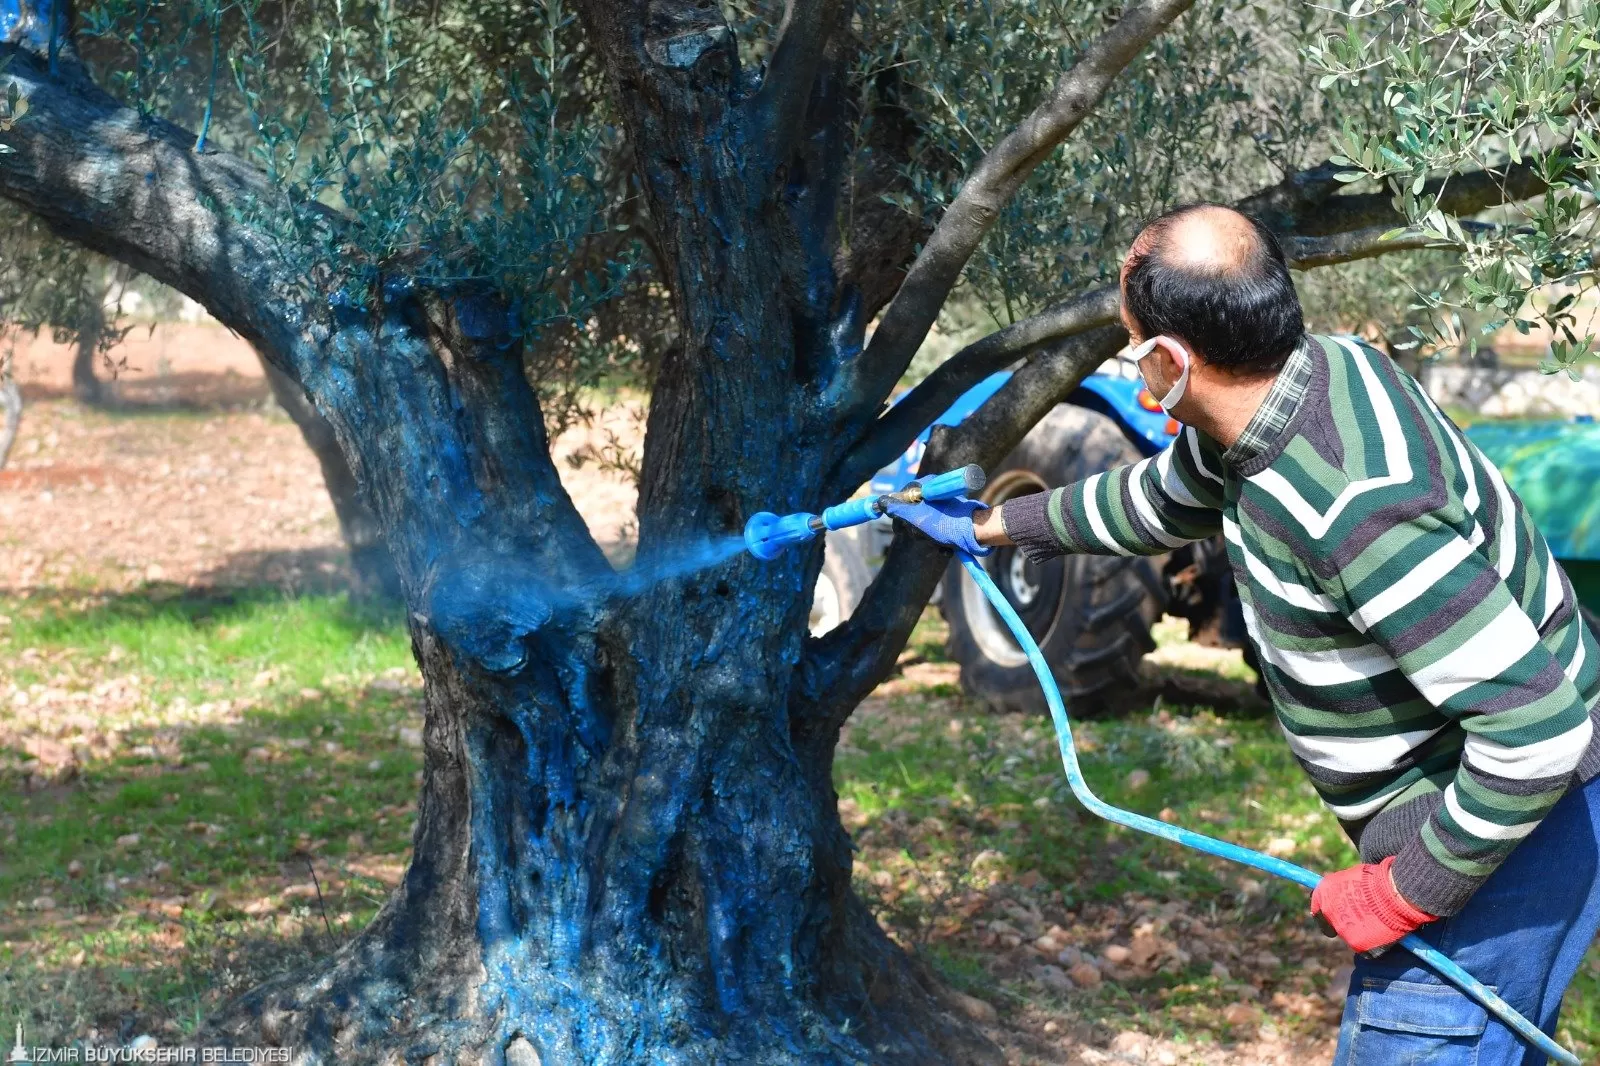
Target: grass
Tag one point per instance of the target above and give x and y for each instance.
(200, 758)
(174, 767)
(962, 818)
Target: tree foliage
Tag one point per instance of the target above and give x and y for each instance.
(1499, 88)
(461, 145)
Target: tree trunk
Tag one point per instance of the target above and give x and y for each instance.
(10, 413)
(620, 855)
(91, 326)
(370, 562)
(628, 847)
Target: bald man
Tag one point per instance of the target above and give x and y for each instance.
(1424, 652)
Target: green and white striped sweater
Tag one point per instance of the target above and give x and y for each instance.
(1423, 649)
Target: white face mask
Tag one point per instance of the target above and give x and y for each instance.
(1175, 394)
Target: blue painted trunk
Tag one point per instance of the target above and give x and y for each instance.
(628, 848)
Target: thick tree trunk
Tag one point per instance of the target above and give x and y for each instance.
(628, 847)
(622, 852)
(620, 857)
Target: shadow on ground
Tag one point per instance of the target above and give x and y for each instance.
(165, 394)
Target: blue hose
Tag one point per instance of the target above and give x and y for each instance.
(1287, 870)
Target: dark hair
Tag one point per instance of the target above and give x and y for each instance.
(1244, 316)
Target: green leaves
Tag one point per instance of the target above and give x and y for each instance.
(1501, 91)
(1182, 122)
(462, 147)
(13, 106)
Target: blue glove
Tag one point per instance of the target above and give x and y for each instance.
(946, 521)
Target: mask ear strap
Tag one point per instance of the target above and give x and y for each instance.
(1181, 386)
(1176, 346)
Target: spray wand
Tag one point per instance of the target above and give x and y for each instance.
(768, 535)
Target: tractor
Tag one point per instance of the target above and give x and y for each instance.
(1091, 615)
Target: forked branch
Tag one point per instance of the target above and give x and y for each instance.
(991, 184)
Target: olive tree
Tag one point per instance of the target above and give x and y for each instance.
(628, 846)
(1499, 93)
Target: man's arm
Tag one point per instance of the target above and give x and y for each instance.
(1442, 612)
(1148, 508)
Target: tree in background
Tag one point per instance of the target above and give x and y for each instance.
(50, 285)
(442, 222)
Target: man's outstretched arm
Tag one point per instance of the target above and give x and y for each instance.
(1148, 508)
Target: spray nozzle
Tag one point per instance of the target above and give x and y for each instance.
(768, 535)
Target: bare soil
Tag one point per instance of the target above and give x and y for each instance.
(192, 475)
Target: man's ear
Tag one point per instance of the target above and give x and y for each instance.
(1175, 350)
(1174, 356)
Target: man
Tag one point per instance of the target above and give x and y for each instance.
(1423, 650)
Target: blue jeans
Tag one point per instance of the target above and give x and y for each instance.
(1523, 933)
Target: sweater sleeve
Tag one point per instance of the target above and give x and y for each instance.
(1150, 507)
(1435, 605)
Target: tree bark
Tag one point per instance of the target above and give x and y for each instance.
(10, 414)
(619, 854)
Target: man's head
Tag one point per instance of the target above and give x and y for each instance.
(1216, 282)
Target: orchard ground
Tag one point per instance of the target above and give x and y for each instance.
(209, 758)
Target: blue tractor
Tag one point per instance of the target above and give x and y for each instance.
(1091, 615)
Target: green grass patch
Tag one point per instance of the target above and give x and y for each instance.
(228, 746)
(225, 748)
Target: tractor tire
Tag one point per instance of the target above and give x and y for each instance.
(1091, 615)
(843, 579)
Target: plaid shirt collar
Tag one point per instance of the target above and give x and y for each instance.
(1270, 420)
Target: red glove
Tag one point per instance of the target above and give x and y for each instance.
(1365, 908)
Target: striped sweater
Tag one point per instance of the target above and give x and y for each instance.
(1422, 647)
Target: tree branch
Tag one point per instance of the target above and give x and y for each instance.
(1306, 203)
(901, 423)
(992, 183)
(807, 27)
(1308, 253)
(131, 189)
(843, 666)
(1304, 198)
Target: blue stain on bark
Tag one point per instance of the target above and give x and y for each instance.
(27, 22)
(475, 609)
(490, 606)
(550, 910)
